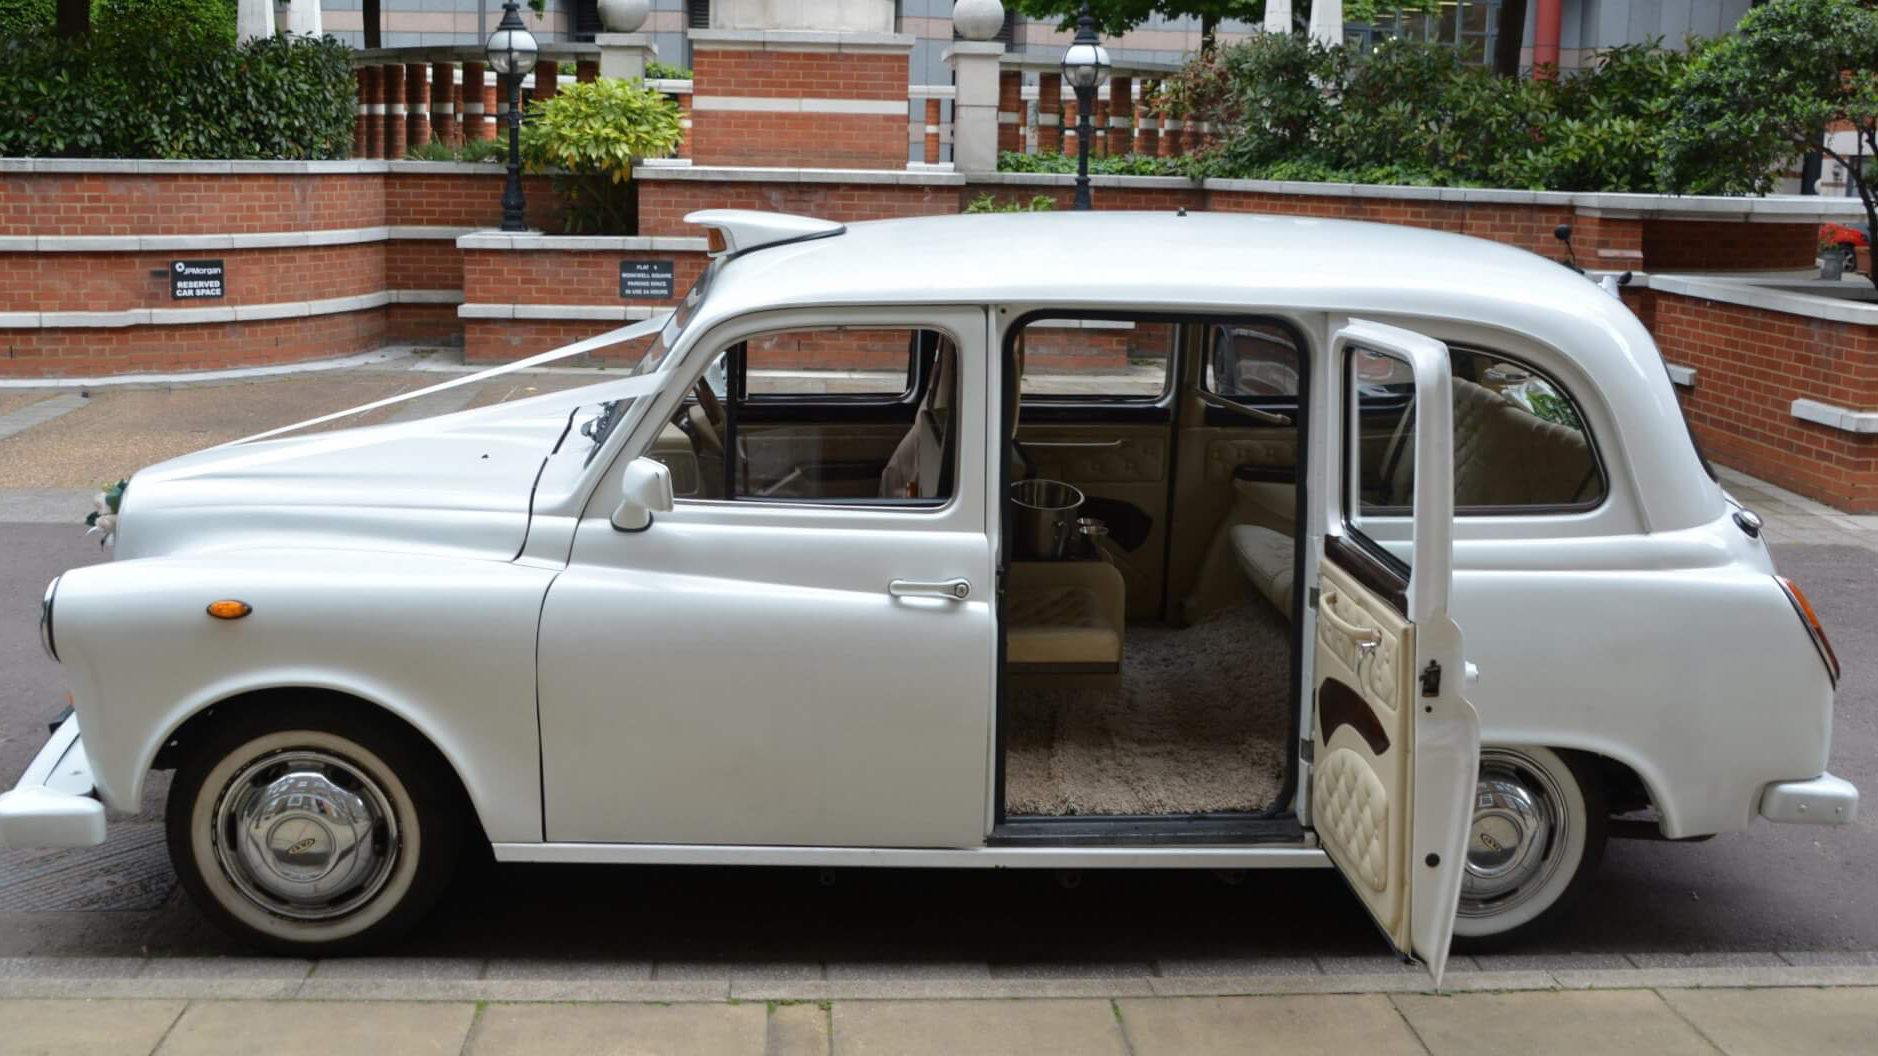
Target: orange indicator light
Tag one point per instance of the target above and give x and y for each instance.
(229, 609)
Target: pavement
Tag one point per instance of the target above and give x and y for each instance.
(1759, 941)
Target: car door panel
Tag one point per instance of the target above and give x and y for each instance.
(1394, 743)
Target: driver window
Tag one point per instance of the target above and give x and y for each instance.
(837, 415)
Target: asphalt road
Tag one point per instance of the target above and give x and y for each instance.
(1770, 888)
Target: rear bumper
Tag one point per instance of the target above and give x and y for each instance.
(54, 804)
(1822, 800)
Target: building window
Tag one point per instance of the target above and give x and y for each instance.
(1464, 24)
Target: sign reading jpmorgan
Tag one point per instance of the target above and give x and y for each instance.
(646, 280)
(193, 280)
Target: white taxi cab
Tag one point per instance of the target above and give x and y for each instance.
(932, 543)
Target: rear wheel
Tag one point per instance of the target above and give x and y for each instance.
(1537, 837)
(313, 834)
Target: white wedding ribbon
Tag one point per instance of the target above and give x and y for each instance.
(636, 386)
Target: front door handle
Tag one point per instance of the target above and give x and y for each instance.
(950, 589)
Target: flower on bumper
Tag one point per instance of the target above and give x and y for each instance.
(103, 520)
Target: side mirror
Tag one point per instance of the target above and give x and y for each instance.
(644, 489)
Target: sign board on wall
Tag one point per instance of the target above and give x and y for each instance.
(194, 280)
(646, 280)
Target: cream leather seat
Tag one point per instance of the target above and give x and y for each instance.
(917, 469)
(1063, 617)
(1504, 455)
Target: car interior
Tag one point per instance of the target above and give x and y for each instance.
(1153, 491)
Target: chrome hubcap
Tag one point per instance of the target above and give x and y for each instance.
(306, 834)
(1518, 834)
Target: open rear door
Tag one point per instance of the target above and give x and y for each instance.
(1395, 745)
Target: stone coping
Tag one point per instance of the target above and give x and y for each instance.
(1068, 179)
(332, 236)
(533, 240)
(223, 313)
(613, 313)
(1754, 295)
(753, 174)
(798, 40)
(161, 167)
(1844, 419)
(552, 50)
(1029, 61)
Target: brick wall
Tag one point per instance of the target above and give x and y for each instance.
(727, 131)
(563, 276)
(503, 340)
(1683, 245)
(83, 282)
(89, 351)
(35, 203)
(1751, 364)
(664, 203)
(454, 198)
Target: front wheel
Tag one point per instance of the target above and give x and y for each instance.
(312, 834)
(1537, 837)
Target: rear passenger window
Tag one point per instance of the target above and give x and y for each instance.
(1104, 359)
(1520, 444)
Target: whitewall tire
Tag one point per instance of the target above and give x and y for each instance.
(313, 834)
(1538, 835)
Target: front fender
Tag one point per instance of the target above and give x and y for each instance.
(447, 644)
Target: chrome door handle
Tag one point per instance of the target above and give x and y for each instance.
(949, 589)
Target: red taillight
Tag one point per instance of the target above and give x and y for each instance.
(1811, 619)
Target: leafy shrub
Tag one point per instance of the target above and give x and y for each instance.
(475, 150)
(1117, 165)
(1413, 113)
(589, 134)
(19, 17)
(131, 90)
(988, 203)
(210, 19)
(665, 71)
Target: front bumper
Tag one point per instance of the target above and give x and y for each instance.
(1822, 800)
(54, 805)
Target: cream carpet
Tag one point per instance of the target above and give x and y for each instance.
(1198, 724)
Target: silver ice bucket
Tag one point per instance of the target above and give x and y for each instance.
(1046, 518)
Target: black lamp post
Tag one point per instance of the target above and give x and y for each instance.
(1085, 67)
(512, 53)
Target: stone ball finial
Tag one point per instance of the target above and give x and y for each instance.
(624, 16)
(978, 19)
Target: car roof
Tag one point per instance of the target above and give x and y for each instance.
(1180, 260)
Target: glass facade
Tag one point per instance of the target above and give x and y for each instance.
(1464, 24)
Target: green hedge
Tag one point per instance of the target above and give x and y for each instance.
(216, 17)
(1288, 108)
(188, 91)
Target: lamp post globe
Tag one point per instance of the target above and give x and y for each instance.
(1085, 68)
(512, 53)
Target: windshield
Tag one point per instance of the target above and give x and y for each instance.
(613, 412)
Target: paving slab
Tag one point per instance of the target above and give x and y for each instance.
(1294, 1026)
(580, 1030)
(300, 1028)
(799, 1029)
(1830, 958)
(1215, 967)
(1755, 1022)
(1541, 1023)
(982, 1028)
(87, 1028)
(510, 969)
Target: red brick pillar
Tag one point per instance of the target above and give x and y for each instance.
(835, 103)
(1010, 110)
(1049, 112)
(1121, 116)
(1148, 131)
(393, 84)
(1100, 148)
(1170, 134)
(492, 129)
(586, 70)
(364, 112)
(443, 103)
(374, 118)
(417, 98)
(932, 130)
(470, 101)
(684, 125)
(1072, 124)
(547, 81)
